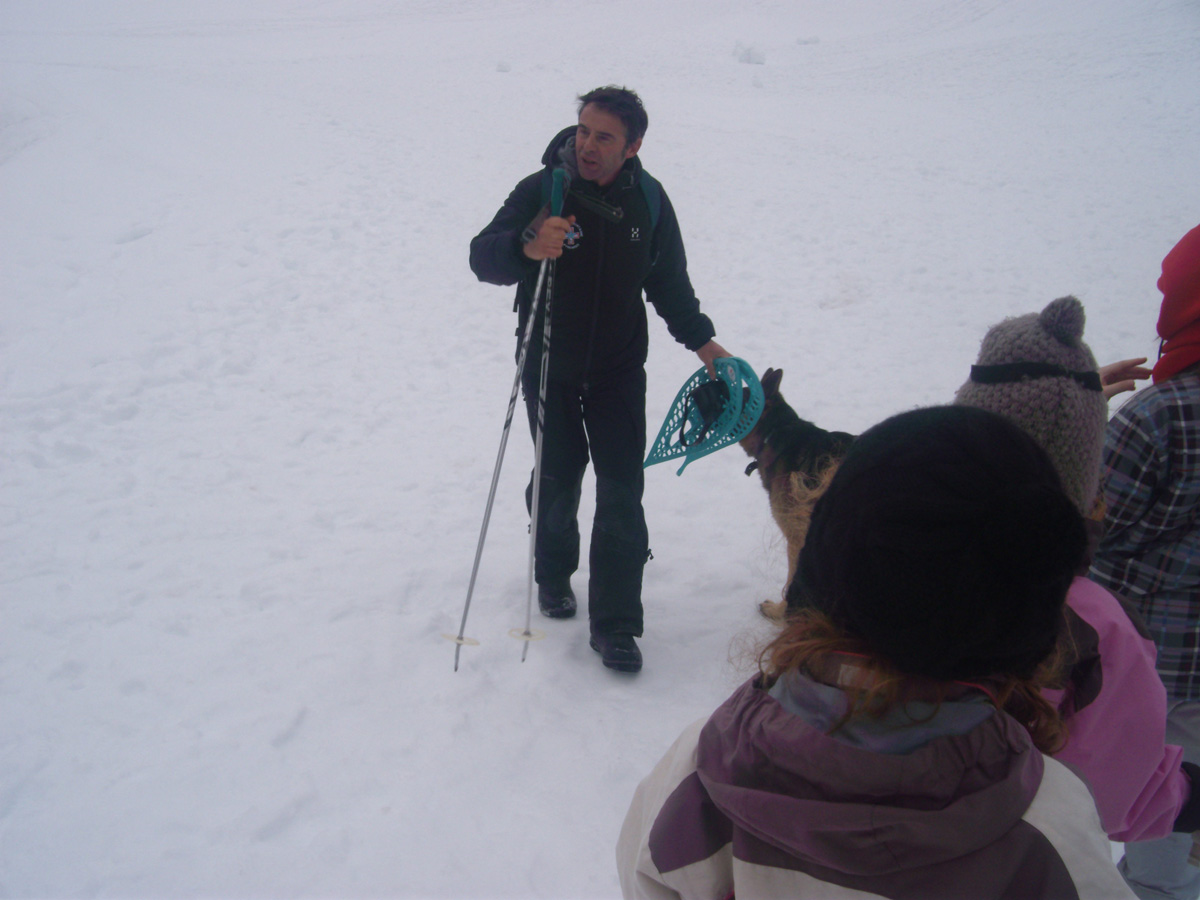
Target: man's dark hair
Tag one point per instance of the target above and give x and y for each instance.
(623, 103)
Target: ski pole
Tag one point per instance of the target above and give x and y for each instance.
(527, 635)
(556, 201)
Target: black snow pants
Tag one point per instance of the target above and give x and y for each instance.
(606, 416)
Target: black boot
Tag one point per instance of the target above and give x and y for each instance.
(618, 651)
(556, 600)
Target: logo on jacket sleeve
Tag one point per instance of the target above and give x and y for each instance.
(574, 236)
(635, 233)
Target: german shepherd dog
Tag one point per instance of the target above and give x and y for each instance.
(795, 460)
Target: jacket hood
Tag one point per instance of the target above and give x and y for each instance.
(1180, 286)
(562, 142)
(857, 811)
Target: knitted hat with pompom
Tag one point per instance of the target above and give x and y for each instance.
(1037, 371)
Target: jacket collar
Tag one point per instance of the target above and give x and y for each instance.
(856, 810)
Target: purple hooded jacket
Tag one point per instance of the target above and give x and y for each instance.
(760, 802)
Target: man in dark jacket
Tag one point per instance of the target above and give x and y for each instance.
(617, 237)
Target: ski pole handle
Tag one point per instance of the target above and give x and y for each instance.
(556, 192)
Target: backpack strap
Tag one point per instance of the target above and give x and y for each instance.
(652, 191)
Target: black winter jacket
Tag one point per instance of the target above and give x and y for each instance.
(599, 317)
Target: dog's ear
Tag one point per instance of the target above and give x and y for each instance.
(770, 382)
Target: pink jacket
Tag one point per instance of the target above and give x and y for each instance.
(1115, 708)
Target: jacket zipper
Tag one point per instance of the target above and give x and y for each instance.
(587, 358)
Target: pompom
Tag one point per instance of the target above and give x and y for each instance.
(1063, 320)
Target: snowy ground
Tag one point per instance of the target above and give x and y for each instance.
(251, 395)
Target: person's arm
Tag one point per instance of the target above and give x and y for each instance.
(498, 252)
(1131, 465)
(669, 289)
(640, 877)
(1122, 376)
(1116, 722)
(710, 351)
(544, 238)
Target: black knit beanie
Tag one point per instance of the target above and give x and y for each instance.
(946, 543)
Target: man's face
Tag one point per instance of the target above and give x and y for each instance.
(600, 146)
